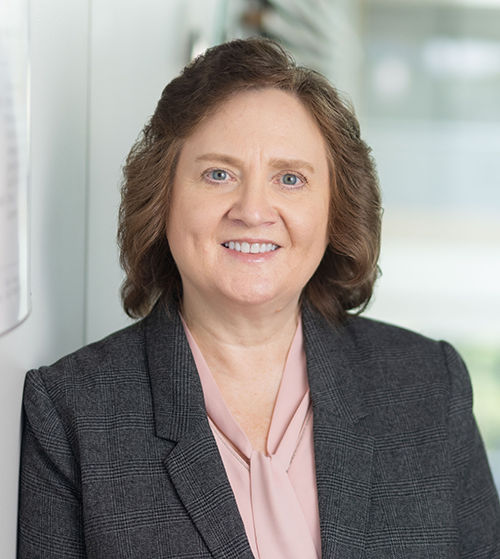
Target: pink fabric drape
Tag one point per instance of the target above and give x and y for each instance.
(275, 491)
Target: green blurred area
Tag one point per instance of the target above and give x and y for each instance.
(483, 363)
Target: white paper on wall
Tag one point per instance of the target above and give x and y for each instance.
(14, 289)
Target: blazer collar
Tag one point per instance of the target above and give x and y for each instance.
(178, 395)
(177, 392)
(343, 444)
(342, 441)
(333, 378)
(178, 401)
(194, 465)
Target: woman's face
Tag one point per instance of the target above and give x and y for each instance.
(249, 214)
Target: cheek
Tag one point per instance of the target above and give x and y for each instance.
(179, 230)
(192, 227)
(312, 227)
(184, 217)
(323, 223)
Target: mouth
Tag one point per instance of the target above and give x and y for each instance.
(250, 248)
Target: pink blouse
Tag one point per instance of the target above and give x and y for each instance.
(275, 492)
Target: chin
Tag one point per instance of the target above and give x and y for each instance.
(258, 293)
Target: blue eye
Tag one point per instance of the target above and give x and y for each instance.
(218, 175)
(290, 180)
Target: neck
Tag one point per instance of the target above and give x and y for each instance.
(242, 326)
(245, 348)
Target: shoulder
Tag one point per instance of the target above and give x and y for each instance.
(107, 376)
(367, 337)
(121, 350)
(387, 359)
(383, 340)
(90, 379)
(408, 357)
(387, 341)
(369, 331)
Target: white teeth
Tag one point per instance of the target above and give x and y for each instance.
(254, 248)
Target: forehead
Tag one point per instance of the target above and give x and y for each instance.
(268, 122)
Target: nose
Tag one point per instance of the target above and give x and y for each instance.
(253, 205)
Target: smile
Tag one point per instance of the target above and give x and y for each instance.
(253, 248)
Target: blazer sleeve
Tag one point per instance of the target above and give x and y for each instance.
(50, 503)
(478, 509)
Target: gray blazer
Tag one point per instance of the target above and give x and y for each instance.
(118, 459)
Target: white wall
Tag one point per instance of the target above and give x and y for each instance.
(136, 49)
(97, 69)
(58, 176)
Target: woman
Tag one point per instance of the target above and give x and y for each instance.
(248, 415)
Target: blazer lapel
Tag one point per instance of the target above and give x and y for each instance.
(194, 465)
(342, 442)
(200, 479)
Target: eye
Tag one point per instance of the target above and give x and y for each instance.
(218, 175)
(292, 180)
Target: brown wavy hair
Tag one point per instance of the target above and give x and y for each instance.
(345, 277)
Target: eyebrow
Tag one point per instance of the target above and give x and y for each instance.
(276, 163)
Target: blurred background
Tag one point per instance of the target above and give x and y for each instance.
(424, 77)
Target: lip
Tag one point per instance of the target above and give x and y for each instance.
(249, 256)
(251, 241)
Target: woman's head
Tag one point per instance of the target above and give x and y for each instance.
(344, 278)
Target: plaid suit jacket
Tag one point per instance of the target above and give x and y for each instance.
(118, 459)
